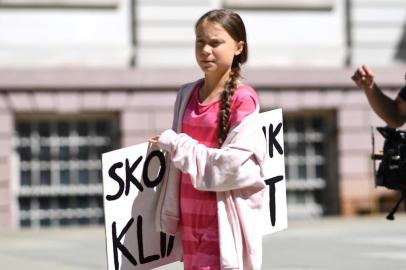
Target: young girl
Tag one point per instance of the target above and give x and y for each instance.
(214, 192)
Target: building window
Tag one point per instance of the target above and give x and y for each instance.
(56, 3)
(280, 4)
(59, 161)
(310, 164)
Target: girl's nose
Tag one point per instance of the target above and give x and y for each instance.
(206, 49)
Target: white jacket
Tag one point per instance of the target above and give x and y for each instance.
(234, 172)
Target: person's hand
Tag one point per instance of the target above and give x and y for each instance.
(154, 139)
(364, 78)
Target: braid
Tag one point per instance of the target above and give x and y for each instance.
(226, 98)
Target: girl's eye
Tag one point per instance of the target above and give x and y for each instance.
(214, 43)
(200, 42)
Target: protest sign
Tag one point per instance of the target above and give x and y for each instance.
(271, 123)
(132, 177)
(131, 181)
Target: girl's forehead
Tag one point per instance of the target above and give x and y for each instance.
(207, 28)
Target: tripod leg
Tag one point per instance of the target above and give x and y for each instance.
(404, 198)
(391, 215)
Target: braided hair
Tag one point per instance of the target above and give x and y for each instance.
(235, 27)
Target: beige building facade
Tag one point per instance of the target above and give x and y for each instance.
(77, 80)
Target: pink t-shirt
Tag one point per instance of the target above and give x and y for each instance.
(199, 208)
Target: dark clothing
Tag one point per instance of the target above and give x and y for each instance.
(402, 93)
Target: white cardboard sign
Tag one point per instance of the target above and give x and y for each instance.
(276, 207)
(132, 177)
(131, 180)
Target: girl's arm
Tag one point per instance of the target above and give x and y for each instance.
(236, 165)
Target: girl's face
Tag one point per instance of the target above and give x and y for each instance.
(215, 48)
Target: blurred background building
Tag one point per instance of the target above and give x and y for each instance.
(81, 77)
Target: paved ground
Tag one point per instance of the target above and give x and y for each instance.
(328, 244)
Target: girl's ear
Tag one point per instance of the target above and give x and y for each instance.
(240, 47)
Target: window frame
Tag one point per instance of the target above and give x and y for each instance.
(75, 190)
(312, 189)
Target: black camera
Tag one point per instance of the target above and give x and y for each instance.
(392, 169)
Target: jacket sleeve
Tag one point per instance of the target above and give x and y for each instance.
(236, 165)
(176, 110)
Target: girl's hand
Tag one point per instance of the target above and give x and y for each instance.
(364, 78)
(154, 139)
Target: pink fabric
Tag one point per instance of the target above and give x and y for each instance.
(234, 172)
(199, 224)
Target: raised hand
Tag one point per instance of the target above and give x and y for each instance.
(364, 78)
